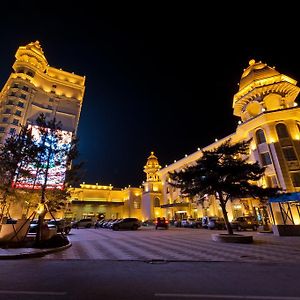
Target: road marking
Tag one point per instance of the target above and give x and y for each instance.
(201, 296)
(33, 293)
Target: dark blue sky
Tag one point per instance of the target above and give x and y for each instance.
(158, 78)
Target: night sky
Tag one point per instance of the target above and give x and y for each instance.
(158, 78)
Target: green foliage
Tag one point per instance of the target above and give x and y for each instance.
(225, 169)
(224, 172)
(16, 154)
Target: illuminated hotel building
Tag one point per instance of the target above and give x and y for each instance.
(265, 103)
(34, 88)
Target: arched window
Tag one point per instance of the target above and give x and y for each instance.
(156, 202)
(260, 137)
(282, 131)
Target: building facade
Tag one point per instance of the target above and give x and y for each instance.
(269, 114)
(34, 87)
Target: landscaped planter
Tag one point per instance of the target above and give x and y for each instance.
(232, 238)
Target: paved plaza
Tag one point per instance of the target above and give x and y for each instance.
(176, 244)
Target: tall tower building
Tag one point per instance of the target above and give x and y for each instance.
(34, 88)
(151, 199)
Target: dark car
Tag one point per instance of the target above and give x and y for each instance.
(216, 223)
(83, 223)
(161, 223)
(127, 223)
(243, 223)
(34, 225)
(62, 225)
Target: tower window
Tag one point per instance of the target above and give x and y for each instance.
(282, 131)
(7, 111)
(12, 131)
(260, 137)
(156, 202)
(23, 96)
(289, 153)
(265, 159)
(2, 129)
(25, 88)
(15, 122)
(21, 104)
(4, 120)
(296, 179)
(18, 113)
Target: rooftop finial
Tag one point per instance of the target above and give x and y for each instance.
(251, 62)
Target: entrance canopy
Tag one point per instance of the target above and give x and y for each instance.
(288, 197)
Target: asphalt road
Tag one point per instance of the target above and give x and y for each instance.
(88, 279)
(154, 264)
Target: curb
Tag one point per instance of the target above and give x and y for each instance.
(38, 253)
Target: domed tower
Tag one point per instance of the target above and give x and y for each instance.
(262, 88)
(152, 197)
(151, 168)
(265, 102)
(30, 57)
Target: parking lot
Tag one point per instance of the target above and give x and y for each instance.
(176, 244)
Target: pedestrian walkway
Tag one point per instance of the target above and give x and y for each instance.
(176, 244)
(15, 253)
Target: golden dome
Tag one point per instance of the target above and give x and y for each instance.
(152, 162)
(256, 71)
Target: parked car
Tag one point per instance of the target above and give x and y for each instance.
(127, 223)
(216, 223)
(62, 225)
(161, 223)
(83, 223)
(191, 223)
(243, 223)
(34, 224)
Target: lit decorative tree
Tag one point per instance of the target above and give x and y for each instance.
(16, 154)
(224, 172)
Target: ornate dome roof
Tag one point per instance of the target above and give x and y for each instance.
(256, 71)
(152, 162)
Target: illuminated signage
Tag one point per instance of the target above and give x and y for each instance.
(56, 150)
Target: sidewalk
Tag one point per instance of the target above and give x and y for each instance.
(15, 253)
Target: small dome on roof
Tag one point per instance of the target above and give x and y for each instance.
(256, 71)
(152, 162)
